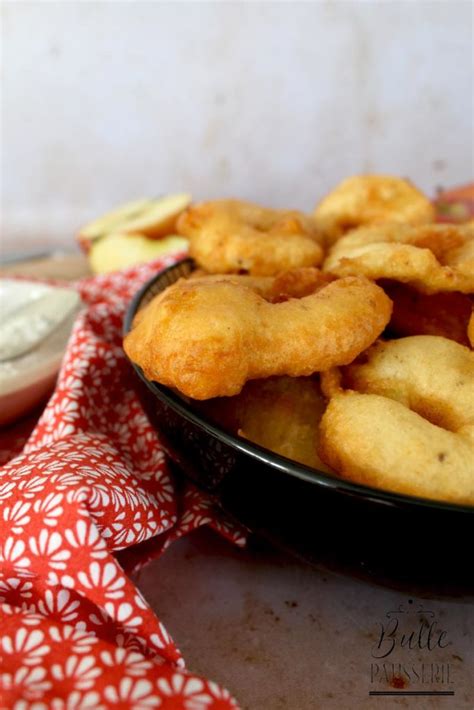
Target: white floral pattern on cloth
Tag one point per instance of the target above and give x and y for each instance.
(92, 481)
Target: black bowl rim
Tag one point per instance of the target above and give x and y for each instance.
(274, 460)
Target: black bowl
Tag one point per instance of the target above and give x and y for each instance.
(406, 542)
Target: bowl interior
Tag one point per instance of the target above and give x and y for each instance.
(182, 269)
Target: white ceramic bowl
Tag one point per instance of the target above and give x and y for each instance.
(27, 380)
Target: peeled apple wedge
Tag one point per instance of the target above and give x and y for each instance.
(151, 217)
(119, 251)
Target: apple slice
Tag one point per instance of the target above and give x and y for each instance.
(153, 218)
(119, 251)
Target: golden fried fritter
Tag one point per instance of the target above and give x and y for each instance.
(297, 284)
(378, 442)
(288, 284)
(228, 236)
(431, 258)
(371, 199)
(408, 423)
(280, 413)
(207, 338)
(408, 370)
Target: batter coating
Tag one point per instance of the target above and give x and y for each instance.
(406, 426)
(431, 258)
(229, 236)
(378, 442)
(371, 199)
(207, 338)
(280, 413)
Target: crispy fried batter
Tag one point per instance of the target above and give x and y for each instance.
(276, 289)
(378, 442)
(288, 284)
(280, 413)
(371, 199)
(230, 236)
(331, 382)
(409, 427)
(208, 338)
(408, 370)
(297, 284)
(430, 258)
(246, 333)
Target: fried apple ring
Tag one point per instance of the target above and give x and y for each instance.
(288, 284)
(371, 199)
(297, 284)
(280, 413)
(431, 258)
(207, 338)
(228, 236)
(406, 426)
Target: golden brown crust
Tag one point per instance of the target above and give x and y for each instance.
(229, 236)
(331, 382)
(408, 370)
(297, 284)
(379, 442)
(371, 199)
(207, 338)
(407, 425)
(431, 258)
(280, 413)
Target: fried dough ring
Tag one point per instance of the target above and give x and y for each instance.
(408, 428)
(275, 289)
(371, 199)
(431, 258)
(207, 338)
(228, 236)
(279, 413)
(288, 284)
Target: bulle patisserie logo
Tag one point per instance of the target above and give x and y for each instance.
(410, 654)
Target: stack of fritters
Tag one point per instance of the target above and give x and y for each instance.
(277, 334)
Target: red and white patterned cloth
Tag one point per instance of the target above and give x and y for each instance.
(92, 480)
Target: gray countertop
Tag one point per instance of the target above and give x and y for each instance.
(283, 635)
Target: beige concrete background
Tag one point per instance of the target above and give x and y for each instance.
(106, 101)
